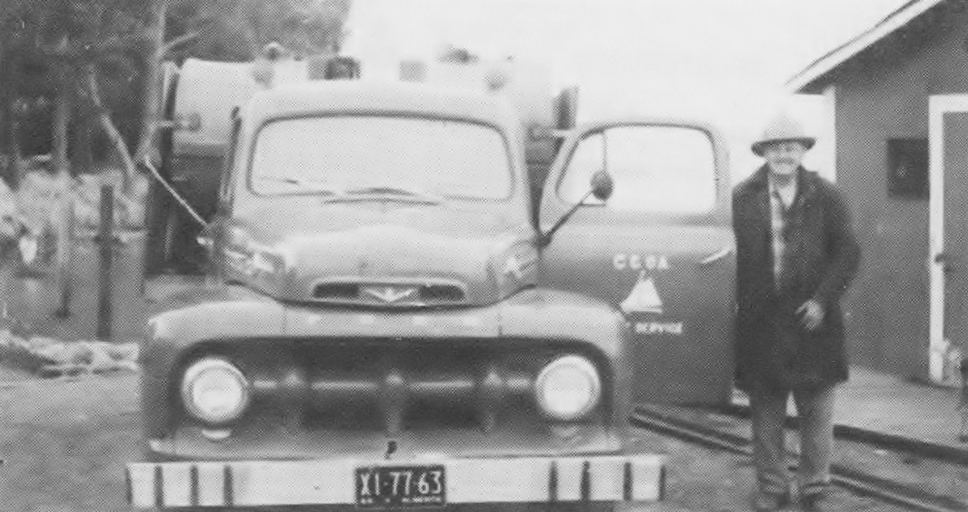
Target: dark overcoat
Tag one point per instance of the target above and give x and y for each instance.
(772, 348)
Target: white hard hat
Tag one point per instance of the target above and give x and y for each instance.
(783, 127)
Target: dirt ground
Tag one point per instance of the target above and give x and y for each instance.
(64, 442)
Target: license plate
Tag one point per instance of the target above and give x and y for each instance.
(400, 486)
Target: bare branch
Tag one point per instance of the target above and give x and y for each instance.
(74, 51)
(180, 40)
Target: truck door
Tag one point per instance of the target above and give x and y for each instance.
(660, 250)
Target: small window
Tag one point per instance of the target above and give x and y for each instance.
(656, 169)
(907, 168)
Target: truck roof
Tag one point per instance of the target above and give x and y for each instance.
(380, 98)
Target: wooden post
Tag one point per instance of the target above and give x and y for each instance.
(65, 225)
(64, 240)
(105, 239)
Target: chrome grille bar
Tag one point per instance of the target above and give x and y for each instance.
(395, 393)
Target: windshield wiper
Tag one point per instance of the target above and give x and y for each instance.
(410, 192)
(315, 186)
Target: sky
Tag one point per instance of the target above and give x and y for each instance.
(721, 61)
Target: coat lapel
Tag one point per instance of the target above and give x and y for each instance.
(761, 203)
(806, 188)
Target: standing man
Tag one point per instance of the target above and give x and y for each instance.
(796, 255)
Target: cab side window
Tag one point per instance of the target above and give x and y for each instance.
(655, 168)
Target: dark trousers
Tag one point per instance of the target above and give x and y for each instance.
(815, 407)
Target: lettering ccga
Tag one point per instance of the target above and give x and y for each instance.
(638, 262)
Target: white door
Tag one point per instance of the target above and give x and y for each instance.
(948, 257)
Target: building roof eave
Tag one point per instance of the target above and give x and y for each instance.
(806, 81)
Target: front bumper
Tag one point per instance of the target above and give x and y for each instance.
(634, 478)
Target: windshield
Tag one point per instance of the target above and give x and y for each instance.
(369, 155)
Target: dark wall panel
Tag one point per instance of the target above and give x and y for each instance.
(883, 95)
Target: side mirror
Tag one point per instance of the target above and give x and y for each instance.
(602, 185)
(205, 241)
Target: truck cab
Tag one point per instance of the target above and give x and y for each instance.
(404, 320)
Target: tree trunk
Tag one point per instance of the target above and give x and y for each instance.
(62, 119)
(6, 144)
(11, 119)
(82, 151)
(151, 113)
(104, 119)
(16, 155)
(6, 113)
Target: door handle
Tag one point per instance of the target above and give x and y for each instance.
(946, 261)
(716, 256)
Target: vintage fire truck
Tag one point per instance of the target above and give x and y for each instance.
(436, 292)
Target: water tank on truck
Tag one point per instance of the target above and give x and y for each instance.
(199, 98)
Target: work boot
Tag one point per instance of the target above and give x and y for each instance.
(812, 502)
(769, 502)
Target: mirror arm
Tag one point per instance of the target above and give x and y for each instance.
(174, 194)
(545, 238)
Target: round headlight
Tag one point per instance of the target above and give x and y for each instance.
(568, 388)
(214, 391)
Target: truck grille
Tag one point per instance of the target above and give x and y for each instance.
(398, 399)
(392, 385)
(390, 294)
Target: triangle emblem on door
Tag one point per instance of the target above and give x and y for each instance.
(644, 298)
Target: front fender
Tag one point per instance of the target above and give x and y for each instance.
(170, 335)
(553, 314)
(542, 313)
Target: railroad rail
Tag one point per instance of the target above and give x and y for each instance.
(852, 480)
(884, 440)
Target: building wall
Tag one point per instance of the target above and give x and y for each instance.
(883, 94)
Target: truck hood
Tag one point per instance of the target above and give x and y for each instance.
(413, 256)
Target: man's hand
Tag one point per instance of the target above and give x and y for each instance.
(811, 315)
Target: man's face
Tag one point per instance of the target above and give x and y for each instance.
(784, 157)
